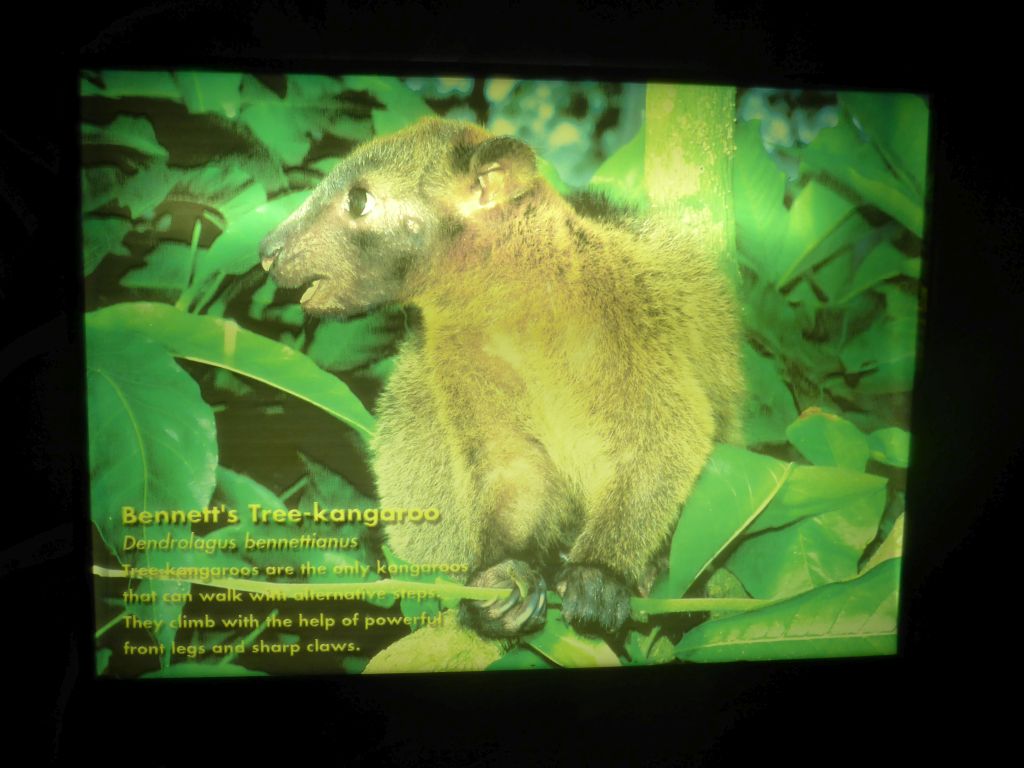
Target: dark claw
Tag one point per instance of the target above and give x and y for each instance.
(593, 600)
(518, 614)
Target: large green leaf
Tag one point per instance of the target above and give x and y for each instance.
(564, 646)
(402, 106)
(898, 125)
(100, 185)
(223, 344)
(152, 439)
(520, 658)
(130, 132)
(332, 490)
(308, 90)
(723, 585)
(891, 548)
(143, 191)
(829, 440)
(168, 267)
(344, 345)
(237, 250)
(448, 647)
(816, 490)
(887, 348)
(152, 446)
(551, 175)
(825, 517)
(282, 129)
(841, 153)
(855, 618)
(769, 405)
(119, 84)
(103, 235)
(621, 176)
(883, 262)
(288, 126)
(239, 491)
(650, 648)
(820, 223)
(216, 92)
(761, 217)
(734, 487)
(891, 445)
(140, 192)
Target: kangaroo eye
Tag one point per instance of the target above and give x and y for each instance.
(360, 202)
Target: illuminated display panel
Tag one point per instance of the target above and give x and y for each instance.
(257, 460)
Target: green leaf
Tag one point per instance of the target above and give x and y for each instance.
(550, 174)
(732, 490)
(855, 618)
(891, 548)
(216, 92)
(333, 491)
(759, 189)
(102, 660)
(168, 267)
(769, 405)
(237, 250)
(118, 84)
(900, 304)
(520, 658)
(883, 262)
(829, 440)
(281, 128)
(222, 343)
(813, 491)
(448, 647)
(262, 298)
(103, 235)
(239, 491)
(820, 222)
(144, 190)
(650, 648)
(723, 585)
(307, 90)
(100, 185)
(288, 126)
(841, 153)
(344, 345)
(621, 176)
(218, 184)
(888, 349)
(129, 132)
(891, 446)
(165, 614)
(898, 125)
(825, 517)
(381, 370)
(402, 106)
(152, 439)
(564, 646)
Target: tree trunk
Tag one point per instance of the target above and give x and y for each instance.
(689, 146)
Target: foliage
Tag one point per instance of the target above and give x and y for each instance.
(193, 357)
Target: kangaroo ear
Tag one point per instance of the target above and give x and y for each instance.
(505, 168)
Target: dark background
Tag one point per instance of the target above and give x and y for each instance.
(957, 647)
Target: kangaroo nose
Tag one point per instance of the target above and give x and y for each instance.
(270, 249)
